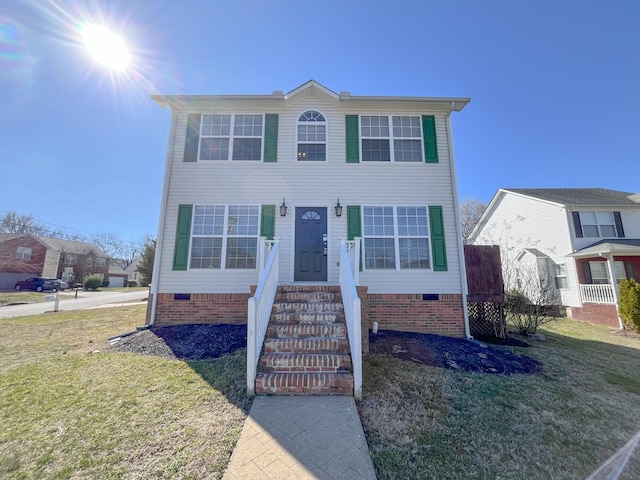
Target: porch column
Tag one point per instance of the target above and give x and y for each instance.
(614, 290)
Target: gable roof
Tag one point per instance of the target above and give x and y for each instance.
(570, 198)
(200, 102)
(71, 246)
(594, 197)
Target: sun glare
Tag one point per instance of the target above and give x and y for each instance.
(105, 47)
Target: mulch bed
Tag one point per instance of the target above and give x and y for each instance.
(454, 353)
(202, 342)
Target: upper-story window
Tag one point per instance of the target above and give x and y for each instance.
(70, 259)
(23, 253)
(312, 136)
(391, 138)
(231, 137)
(598, 224)
(89, 261)
(101, 262)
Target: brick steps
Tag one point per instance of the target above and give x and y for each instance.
(306, 351)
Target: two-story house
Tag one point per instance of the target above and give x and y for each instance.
(310, 167)
(583, 240)
(23, 256)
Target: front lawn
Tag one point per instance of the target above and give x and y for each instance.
(8, 298)
(428, 422)
(72, 408)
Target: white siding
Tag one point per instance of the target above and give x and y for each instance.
(630, 223)
(311, 184)
(520, 222)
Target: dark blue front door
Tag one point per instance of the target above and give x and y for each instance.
(310, 254)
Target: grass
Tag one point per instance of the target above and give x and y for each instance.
(426, 422)
(72, 408)
(7, 298)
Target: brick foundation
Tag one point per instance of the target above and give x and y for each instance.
(411, 313)
(210, 308)
(596, 313)
(403, 312)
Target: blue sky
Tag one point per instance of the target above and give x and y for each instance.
(555, 89)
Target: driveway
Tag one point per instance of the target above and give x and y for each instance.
(85, 300)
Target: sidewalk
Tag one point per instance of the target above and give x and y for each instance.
(302, 437)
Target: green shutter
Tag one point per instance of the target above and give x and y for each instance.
(353, 141)
(430, 143)
(354, 226)
(271, 137)
(438, 245)
(192, 140)
(268, 221)
(183, 235)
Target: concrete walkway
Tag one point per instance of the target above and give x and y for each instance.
(302, 438)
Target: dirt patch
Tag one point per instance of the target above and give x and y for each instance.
(455, 353)
(186, 342)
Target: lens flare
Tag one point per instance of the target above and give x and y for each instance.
(106, 47)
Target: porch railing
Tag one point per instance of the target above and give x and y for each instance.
(260, 306)
(597, 293)
(352, 308)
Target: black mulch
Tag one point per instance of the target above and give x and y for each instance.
(455, 353)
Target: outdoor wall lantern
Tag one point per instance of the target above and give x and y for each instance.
(338, 209)
(283, 209)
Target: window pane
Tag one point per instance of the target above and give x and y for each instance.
(247, 148)
(590, 230)
(248, 126)
(312, 151)
(407, 127)
(216, 125)
(407, 150)
(214, 149)
(412, 221)
(379, 253)
(206, 252)
(375, 126)
(243, 220)
(414, 253)
(376, 151)
(608, 231)
(241, 253)
(378, 221)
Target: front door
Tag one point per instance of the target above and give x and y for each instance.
(310, 254)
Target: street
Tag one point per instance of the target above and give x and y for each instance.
(85, 300)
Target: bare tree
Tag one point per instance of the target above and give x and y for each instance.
(125, 252)
(12, 222)
(470, 212)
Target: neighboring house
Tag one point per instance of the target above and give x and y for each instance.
(575, 239)
(23, 256)
(312, 168)
(118, 276)
(133, 274)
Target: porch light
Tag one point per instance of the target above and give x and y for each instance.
(283, 209)
(338, 208)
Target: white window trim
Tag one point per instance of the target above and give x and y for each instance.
(231, 137)
(326, 137)
(396, 239)
(225, 236)
(618, 271)
(598, 225)
(24, 253)
(556, 275)
(391, 138)
(101, 258)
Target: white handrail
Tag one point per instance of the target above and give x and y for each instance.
(597, 293)
(259, 310)
(352, 310)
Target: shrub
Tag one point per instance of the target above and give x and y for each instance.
(525, 315)
(93, 282)
(629, 303)
(132, 283)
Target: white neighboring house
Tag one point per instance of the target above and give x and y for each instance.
(133, 274)
(580, 238)
(311, 168)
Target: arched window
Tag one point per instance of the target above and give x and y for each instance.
(312, 136)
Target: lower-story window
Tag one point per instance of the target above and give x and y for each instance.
(396, 237)
(225, 236)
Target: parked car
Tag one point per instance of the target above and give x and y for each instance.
(60, 284)
(38, 284)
